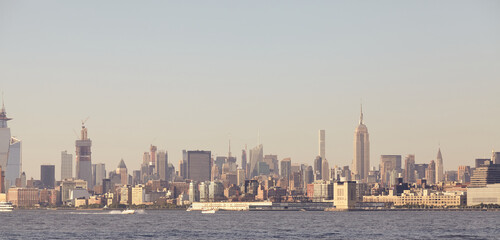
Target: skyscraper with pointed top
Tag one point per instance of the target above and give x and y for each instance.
(83, 157)
(10, 152)
(361, 161)
(439, 167)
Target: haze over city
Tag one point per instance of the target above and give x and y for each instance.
(191, 76)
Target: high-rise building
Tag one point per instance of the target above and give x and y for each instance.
(308, 175)
(488, 173)
(98, 173)
(390, 165)
(199, 165)
(361, 161)
(318, 162)
(162, 165)
(256, 155)
(482, 161)
(495, 158)
(122, 171)
(420, 169)
(83, 157)
(66, 165)
(286, 169)
(10, 152)
(48, 176)
(322, 144)
(244, 160)
(430, 174)
(273, 162)
(409, 170)
(325, 170)
(439, 167)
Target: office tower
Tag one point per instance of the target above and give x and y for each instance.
(152, 150)
(318, 162)
(262, 169)
(463, 174)
(308, 175)
(10, 152)
(99, 173)
(256, 155)
(325, 170)
(439, 167)
(390, 165)
(219, 162)
(409, 171)
(2, 179)
(322, 144)
(481, 161)
(48, 176)
(122, 171)
(183, 168)
(66, 165)
(162, 165)
(486, 174)
(240, 174)
(361, 161)
(273, 162)
(495, 158)
(430, 174)
(286, 169)
(420, 169)
(199, 164)
(83, 157)
(244, 160)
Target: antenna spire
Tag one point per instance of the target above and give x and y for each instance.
(229, 154)
(361, 116)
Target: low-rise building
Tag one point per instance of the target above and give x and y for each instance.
(23, 197)
(486, 195)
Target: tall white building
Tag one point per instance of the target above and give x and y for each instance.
(10, 152)
(361, 161)
(66, 165)
(439, 167)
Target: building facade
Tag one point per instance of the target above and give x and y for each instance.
(361, 161)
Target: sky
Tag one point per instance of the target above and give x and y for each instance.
(194, 74)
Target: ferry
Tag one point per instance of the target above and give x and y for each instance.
(6, 207)
(208, 211)
(128, 211)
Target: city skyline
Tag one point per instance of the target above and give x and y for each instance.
(180, 76)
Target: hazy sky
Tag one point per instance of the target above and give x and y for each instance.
(189, 74)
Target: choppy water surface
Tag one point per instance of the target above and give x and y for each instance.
(248, 225)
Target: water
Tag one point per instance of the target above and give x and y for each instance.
(249, 225)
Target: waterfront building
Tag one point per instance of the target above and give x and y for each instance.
(66, 165)
(439, 167)
(256, 155)
(199, 165)
(320, 191)
(47, 176)
(486, 174)
(361, 161)
(83, 157)
(390, 165)
(125, 192)
(10, 152)
(138, 195)
(162, 165)
(409, 169)
(490, 194)
(421, 198)
(23, 197)
(344, 196)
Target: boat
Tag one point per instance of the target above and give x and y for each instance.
(189, 209)
(6, 207)
(208, 211)
(128, 211)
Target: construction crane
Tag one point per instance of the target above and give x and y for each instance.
(84, 121)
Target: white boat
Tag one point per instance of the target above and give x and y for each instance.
(6, 207)
(208, 211)
(128, 211)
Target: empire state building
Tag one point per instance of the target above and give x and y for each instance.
(361, 161)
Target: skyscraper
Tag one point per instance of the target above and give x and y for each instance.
(495, 158)
(409, 170)
(361, 161)
(439, 167)
(66, 165)
(98, 173)
(318, 163)
(286, 169)
(256, 155)
(83, 157)
(325, 170)
(10, 152)
(122, 171)
(244, 160)
(199, 165)
(48, 176)
(390, 166)
(430, 174)
(322, 144)
(162, 165)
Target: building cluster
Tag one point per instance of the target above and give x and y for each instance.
(203, 178)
